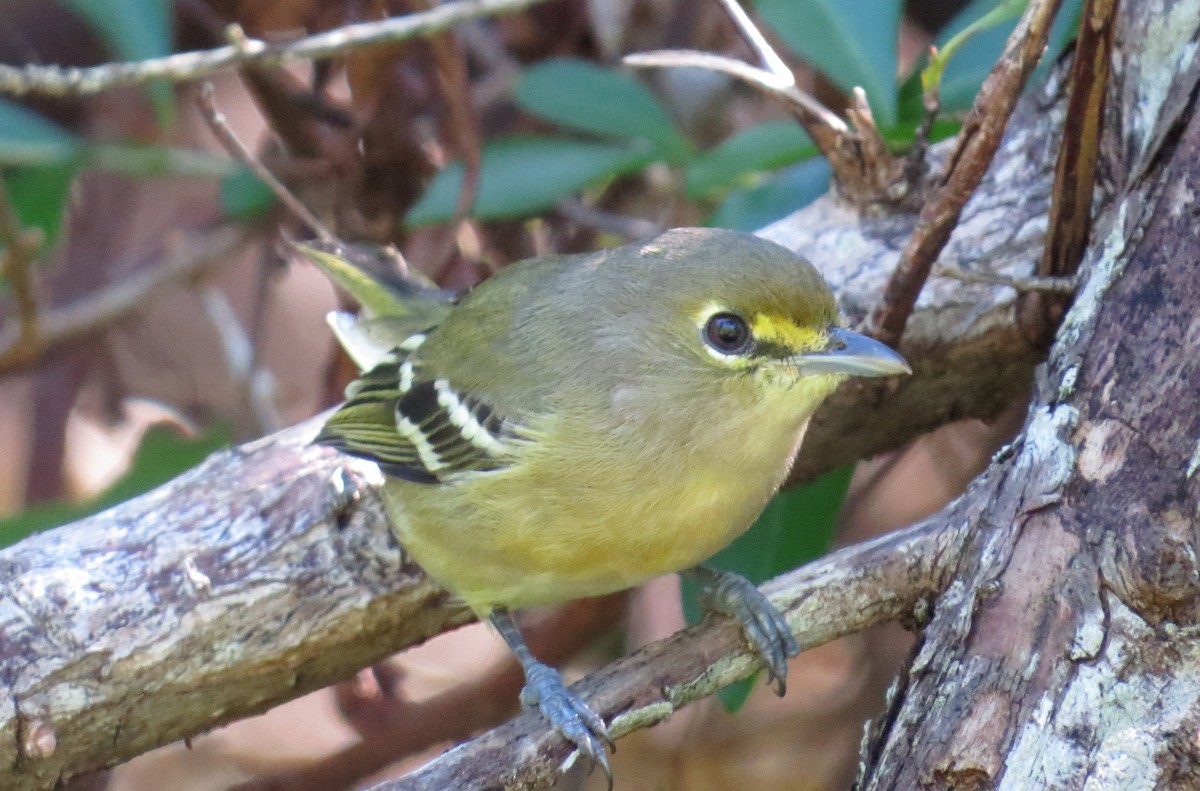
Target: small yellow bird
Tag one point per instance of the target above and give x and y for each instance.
(577, 425)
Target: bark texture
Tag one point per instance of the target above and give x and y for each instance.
(1065, 654)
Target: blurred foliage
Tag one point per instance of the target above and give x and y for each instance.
(754, 177)
(587, 98)
(163, 453)
(852, 42)
(136, 30)
(522, 175)
(244, 196)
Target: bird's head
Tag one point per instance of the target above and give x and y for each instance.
(754, 317)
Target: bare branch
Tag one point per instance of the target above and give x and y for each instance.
(1049, 285)
(184, 66)
(239, 151)
(1075, 173)
(864, 171)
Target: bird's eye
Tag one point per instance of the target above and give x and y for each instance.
(727, 333)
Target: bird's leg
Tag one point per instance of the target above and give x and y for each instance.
(544, 689)
(768, 633)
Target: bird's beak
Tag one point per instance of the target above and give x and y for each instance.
(853, 354)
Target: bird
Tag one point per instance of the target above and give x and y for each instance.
(576, 425)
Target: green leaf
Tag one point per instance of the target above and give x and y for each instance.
(136, 30)
(760, 148)
(974, 59)
(775, 197)
(523, 175)
(796, 527)
(27, 138)
(39, 195)
(853, 42)
(162, 454)
(579, 95)
(244, 196)
(1001, 12)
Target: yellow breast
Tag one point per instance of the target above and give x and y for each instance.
(549, 529)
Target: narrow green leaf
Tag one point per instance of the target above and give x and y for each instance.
(162, 454)
(974, 58)
(244, 197)
(774, 197)
(580, 95)
(140, 160)
(853, 42)
(523, 175)
(27, 138)
(39, 195)
(796, 527)
(760, 148)
(1004, 11)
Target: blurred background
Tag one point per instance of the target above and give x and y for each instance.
(189, 325)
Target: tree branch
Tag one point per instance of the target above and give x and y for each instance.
(891, 578)
(61, 81)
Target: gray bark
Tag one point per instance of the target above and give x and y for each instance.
(1065, 653)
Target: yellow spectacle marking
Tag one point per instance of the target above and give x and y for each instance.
(784, 332)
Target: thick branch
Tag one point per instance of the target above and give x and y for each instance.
(61, 81)
(890, 578)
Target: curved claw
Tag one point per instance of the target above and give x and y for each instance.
(765, 627)
(568, 714)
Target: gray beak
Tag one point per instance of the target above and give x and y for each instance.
(853, 354)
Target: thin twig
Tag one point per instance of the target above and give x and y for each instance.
(1048, 285)
(823, 120)
(184, 66)
(977, 143)
(62, 326)
(19, 245)
(462, 124)
(255, 382)
(589, 216)
(864, 171)
(239, 151)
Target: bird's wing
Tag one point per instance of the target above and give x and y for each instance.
(416, 427)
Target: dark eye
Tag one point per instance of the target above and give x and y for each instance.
(727, 333)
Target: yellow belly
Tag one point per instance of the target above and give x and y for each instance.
(528, 535)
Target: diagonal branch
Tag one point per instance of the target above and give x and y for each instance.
(891, 578)
(976, 145)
